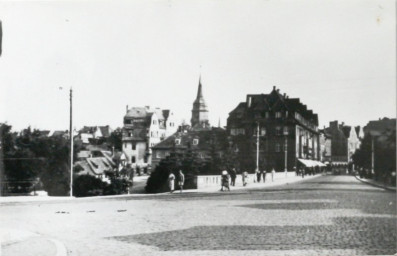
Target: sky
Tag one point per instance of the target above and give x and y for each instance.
(338, 57)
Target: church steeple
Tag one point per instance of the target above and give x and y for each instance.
(200, 110)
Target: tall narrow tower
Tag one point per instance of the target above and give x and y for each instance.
(200, 110)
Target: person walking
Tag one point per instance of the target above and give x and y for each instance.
(244, 177)
(181, 180)
(171, 181)
(233, 175)
(258, 175)
(273, 172)
(225, 180)
(264, 175)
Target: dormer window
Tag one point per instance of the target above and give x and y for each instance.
(195, 142)
(177, 141)
(154, 122)
(278, 114)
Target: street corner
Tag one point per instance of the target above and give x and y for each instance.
(22, 242)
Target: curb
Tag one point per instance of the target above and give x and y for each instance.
(375, 185)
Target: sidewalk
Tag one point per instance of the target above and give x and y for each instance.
(376, 183)
(213, 189)
(256, 185)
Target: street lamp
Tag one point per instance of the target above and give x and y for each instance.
(285, 131)
(71, 145)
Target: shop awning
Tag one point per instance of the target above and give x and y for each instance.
(311, 163)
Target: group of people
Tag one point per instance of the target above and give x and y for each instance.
(229, 178)
(171, 181)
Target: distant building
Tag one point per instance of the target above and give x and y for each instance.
(96, 163)
(325, 147)
(345, 142)
(200, 141)
(200, 111)
(377, 127)
(199, 137)
(143, 128)
(91, 134)
(288, 131)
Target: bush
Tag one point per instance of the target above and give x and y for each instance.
(157, 181)
(116, 187)
(87, 185)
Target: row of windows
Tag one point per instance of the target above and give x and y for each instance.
(178, 141)
(279, 131)
(277, 114)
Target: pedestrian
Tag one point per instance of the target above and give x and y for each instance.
(258, 175)
(303, 172)
(181, 180)
(273, 172)
(225, 180)
(264, 175)
(244, 176)
(171, 180)
(233, 175)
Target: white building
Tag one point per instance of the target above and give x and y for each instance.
(143, 128)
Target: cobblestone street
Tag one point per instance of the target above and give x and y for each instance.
(328, 215)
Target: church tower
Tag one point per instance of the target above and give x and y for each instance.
(200, 110)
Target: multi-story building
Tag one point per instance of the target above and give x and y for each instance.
(288, 132)
(143, 128)
(200, 111)
(345, 142)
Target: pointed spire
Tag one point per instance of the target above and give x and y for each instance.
(199, 91)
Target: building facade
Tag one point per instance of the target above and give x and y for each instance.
(325, 147)
(345, 142)
(143, 128)
(287, 129)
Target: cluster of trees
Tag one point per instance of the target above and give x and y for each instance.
(29, 160)
(30, 157)
(384, 156)
(220, 156)
(87, 185)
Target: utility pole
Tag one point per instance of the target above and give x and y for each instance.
(257, 148)
(372, 156)
(71, 144)
(285, 154)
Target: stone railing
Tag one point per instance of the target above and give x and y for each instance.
(215, 180)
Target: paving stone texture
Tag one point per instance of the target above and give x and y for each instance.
(328, 215)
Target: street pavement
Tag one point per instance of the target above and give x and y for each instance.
(324, 215)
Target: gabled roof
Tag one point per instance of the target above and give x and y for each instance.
(204, 137)
(346, 130)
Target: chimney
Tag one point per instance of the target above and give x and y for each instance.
(285, 95)
(278, 90)
(274, 87)
(126, 109)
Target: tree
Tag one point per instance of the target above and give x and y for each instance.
(87, 185)
(115, 139)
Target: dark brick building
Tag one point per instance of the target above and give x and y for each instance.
(288, 132)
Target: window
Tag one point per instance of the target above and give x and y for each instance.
(133, 146)
(154, 122)
(237, 131)
(195, 142)
(278, 130)
(267, 115)
(285, 130)
(278, 114)
(158, 154)
(133, 159)
(277, 147)
(151, 144)
(129, 134)
(263, 131)
(177, 141)
(151, 134)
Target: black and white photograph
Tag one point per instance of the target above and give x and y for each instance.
(198, 127)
